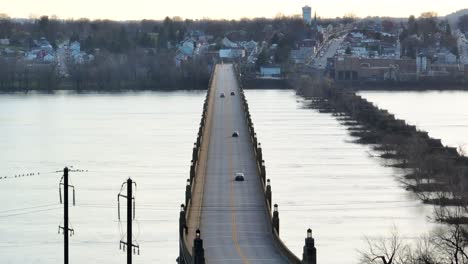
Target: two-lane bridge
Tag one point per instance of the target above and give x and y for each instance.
(228, 221)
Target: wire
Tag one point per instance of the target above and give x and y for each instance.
(36, 211)
(26, 208)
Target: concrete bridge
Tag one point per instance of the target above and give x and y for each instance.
(224, 220)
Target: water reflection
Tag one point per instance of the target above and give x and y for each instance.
(322, 180)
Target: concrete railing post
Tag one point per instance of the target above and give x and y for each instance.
(275, 219)
(188, 192)
(192, 172)
(182, 228)
(198, 251)
(195, 152)
(263, 171)
(310, 252)
(268, 194)
(182, 220)
(259, 153)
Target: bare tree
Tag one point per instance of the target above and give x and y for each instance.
(386, 250)
(452, 244)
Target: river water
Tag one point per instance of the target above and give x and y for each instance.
(319, 178)
(444, 114)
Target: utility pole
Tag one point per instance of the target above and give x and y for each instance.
(130, 216)
(65, 227)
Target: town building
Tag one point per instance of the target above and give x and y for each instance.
(307, 14)
(270, 72)
(370, 69)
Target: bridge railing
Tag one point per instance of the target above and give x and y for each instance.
(185, 255)
(273, 217)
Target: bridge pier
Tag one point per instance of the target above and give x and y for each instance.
(198, 252)
(310, 252)
(275, 219)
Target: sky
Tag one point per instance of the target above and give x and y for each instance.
(216, 9)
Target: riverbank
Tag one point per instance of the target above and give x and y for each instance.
(422, 85)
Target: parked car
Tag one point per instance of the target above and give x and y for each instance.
(239, 176)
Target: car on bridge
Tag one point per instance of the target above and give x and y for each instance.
(235, 134)
(239, 177)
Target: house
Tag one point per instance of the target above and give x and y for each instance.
(5, 42)
(231, 53)
(369, 69)
(446, 58)
(228, 43)
(75, 48)
(44, 45)
(302, 55)
(187, 49)
(270, 72)
(48, 58)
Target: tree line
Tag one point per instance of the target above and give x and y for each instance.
(133, 54)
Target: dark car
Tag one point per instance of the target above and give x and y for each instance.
(235, 134)
(233, 93)
(239, 177)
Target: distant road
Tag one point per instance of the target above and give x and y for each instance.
(328, 51)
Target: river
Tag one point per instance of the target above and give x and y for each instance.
(320, 179)
(443, 114)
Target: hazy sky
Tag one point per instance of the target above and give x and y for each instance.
(157, 9)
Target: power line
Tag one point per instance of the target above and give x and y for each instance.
(31, 212)
(26, 208)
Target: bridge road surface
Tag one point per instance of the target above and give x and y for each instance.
(235, 223)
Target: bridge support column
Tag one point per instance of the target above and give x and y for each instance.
(310, 252)
(198, 252)
(188, 192)
(275, 219)
(268, 194)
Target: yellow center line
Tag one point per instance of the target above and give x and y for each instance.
(230, 122)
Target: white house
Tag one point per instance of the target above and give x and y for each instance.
(231, 53)
(270, 71)
(5, 42)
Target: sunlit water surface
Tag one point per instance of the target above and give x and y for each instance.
(319, 178)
